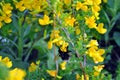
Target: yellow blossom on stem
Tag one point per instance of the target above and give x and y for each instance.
(77, 30)
(16, 74)
(50, 44)
(69, 21)
(100, 28)
(20, 5)
(64, 46)
(93, 43)
(98, 69)
(45, 20)
(67, 2)
(81, 6)
(90, 21)
(6, 61)
(7, 8)
(96, 73)
(32, 67)
(77, 77)
(63, 65)
(52, 73)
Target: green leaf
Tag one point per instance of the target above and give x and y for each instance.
(116, 37)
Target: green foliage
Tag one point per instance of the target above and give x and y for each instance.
(3, 71)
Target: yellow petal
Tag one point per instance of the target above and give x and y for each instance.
(50, 45)
(52, 73)
(63, 65)
(100, 28)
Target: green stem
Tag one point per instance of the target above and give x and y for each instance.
(20, 42)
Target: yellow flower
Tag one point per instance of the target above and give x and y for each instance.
(55, 34)
(69, 21)
(16, 74)
(82, 6)
(63, 48)
(96, 73)
(98, 68)
(96, 2)
(93, 43)
(90, 21)
(63, 65)
(50, 44)
(67, 2)
(45, 20)
(32, 67)
(77, 30)
(20, 5)
(52, 73)
(78, 77)
(87, 77)
(88, 2)
(7, 8)
(101, 51)
(6, 61)
(79, 5)
(100, 28)
(56, 40)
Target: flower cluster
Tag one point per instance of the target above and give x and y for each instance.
(57, 39)
(14, 74)
(94, 52)
(5, 13)
(34, 6)
(98, 69)
(33, 66)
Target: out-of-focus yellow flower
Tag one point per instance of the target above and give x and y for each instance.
(16, 74)
(32, 67)
(78, 77)
(88, 2)
(64, 46)
(100, 28)
(96, 73)
(57, 39)
(38, 62)
(67, 2)
(90, 21)
(50, 44)
(20, 5)
(6, 61)
(55, 34)
(45, 20)
(105, 1)
(93, 43)
(69, 21)
(81, 6)
(52, 73)
(7, 8)
(98, 69)
(87, 77)
(6, 18)
(77, 30)
(63, 65)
